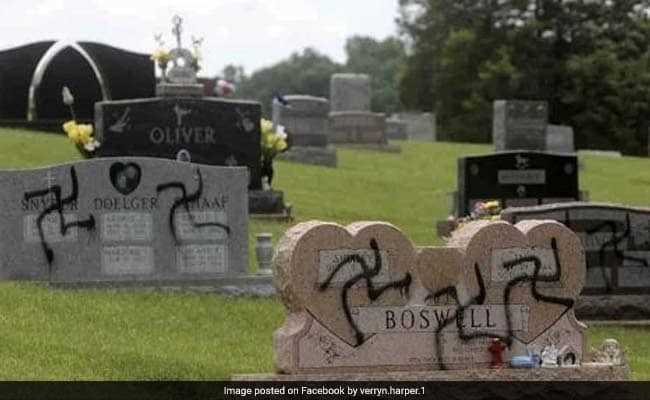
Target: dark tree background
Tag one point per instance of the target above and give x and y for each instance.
(308, 72)
(588, 58)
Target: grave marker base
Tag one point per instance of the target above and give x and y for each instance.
(587, 372)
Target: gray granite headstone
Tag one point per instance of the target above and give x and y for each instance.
(559, 139)
(305, 117)
(212, 131)
(124, 220)
(357, 127)
(419, 126)
(519, 125)
(307, 123)
(395, 129)
(616, 240)
(350, 92)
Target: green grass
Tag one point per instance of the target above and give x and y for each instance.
(141, 334)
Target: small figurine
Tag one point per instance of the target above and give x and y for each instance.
(497, 347)
(549, 356)
(529, 361)
(611, 353)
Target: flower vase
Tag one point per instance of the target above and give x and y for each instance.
(84, 153)
(267, 170)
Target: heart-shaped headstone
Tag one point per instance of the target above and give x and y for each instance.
(537, 264)
(329, 270)
(125, 177)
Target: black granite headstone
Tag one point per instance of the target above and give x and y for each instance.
(516, 178)
(210, 130)
(125, 75)
(67, 68)
(616, 240)
(17, 67)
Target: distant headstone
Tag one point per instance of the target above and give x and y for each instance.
(519, 125)
(357, 127)
(395, 129)
(616, 240)
(306, 120)
(212, 131)
(124, 220)
(361, 299)
(419, 126)
(350, 92)
(517, 178)
(559, 139)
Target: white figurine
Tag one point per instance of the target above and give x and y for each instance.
(549, 356)
(610, 352)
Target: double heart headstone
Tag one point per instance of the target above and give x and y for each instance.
(363, 298)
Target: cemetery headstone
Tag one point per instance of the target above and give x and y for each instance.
(559, 139)
(212, 130)
(209, 130)
(124, 220)
(32, 77)
(306, 120)
(519, 125)
(351, 121)
(350, 92)
(355, 127)
(362, 299)
(419, 126)
(516, 178)
(616, 240)
(395, 129)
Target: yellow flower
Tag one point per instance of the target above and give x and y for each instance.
(280, 144)
(78, 133)
(491, 204)
(160, 55)
(266, 126)
(85, 133)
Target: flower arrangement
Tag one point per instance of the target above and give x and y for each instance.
(490, 210)
(79, 134)
(273, 142)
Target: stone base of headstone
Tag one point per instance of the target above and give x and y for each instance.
(179, 90)
(357, 127)
(250, 285)
(444, 228)
(311, 155)
(388, 148)
(269, 204)
(613, 307)
(586, 372)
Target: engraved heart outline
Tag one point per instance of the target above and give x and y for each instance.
(125, 178)
(549, 297)
(297, 273)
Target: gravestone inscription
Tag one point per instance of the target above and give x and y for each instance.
(124, 219)
(519, 125)
(361, 298)
(516, 178)
(616, 240)
(210, 130)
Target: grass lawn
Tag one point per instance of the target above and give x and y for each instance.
(145, 334)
